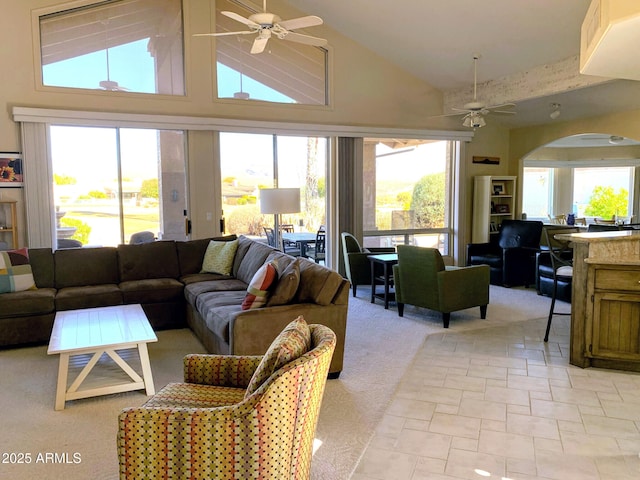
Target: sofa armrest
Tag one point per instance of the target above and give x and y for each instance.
(220, 370)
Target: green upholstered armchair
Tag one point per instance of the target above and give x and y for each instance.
(421, 279)
(356, 260)
(223, 424)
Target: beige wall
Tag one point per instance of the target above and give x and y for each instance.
(366, 90)
(523, 141)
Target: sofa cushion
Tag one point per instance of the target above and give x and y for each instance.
(219, 256)
(28, 303)
(191, 253)
(152, 290)
(287, 285)
(202, 277)
(148, 260)
(258, 290)
(15, 271)
(85, 266)
(90, 296)
(318, 284)
(293, 342)
(226, 284)
(255, 256)
(41, 260)
(218, 309)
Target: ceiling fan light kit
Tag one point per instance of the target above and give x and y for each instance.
(555, 111)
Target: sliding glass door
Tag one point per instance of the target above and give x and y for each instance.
(109, 183)
(249, 162)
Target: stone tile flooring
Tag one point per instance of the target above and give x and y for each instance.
(499, 403)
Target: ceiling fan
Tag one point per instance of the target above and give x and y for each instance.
(475, 111)
(109, 84)
(266, 24)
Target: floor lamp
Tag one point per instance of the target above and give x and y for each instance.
(279, 201)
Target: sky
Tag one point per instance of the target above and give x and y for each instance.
(87, 71)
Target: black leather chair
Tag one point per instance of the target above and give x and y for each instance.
(510, 254)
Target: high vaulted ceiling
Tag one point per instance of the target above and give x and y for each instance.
(529, 51)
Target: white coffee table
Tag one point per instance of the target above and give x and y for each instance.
(85, 335)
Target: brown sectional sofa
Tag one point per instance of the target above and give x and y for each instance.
(164, 277)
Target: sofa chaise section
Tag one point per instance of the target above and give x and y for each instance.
(26, 317)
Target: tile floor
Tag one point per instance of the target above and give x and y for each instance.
(499, 403)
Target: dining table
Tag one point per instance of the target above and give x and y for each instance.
(301, 239)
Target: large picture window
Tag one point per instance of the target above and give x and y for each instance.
(121, 46)
(407, 192)
(110, 183)
(249, 162)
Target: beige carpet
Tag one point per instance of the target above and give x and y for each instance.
(380, 346)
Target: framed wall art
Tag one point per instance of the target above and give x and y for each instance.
(11, 169)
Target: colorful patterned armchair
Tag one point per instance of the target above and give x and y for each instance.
(235, 416)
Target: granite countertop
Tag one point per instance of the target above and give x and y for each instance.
(597, 237)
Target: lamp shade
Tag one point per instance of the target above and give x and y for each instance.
(279, 200)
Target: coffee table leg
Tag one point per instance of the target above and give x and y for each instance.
(146, 368)
(61, 388)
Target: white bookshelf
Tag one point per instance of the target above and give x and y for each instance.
(494, 199)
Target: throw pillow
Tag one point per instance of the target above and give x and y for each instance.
(15, 271)
(287, 285)
(258, 289)
(293, 342)
(219, 256)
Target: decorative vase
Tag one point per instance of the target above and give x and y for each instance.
(571, 219)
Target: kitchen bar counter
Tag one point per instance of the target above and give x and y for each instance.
(605, 300)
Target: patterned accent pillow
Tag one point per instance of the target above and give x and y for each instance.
(287, 285)
(293, 342)
(219, 256)
(15, 271)
(258, 289)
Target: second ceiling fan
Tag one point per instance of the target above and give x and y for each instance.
(475, 111)
(266, 24)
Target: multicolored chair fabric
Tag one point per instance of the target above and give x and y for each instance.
(214, 427)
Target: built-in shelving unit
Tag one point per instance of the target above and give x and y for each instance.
(9, 223)
(494, 199)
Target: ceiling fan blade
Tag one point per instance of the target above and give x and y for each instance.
(302, 22)
(503, 112)
(241, 19)
(306, 39)
(222, 34)
(502, 105)
(259, 44)
(461, 110)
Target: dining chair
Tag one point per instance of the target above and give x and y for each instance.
(557, 219)
(271, 237)
(316, 252)
(561, 255)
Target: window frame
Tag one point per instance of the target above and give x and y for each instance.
(36, 16)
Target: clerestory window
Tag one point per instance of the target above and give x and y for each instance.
(285, 72)
(117, 45)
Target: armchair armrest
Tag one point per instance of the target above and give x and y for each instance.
(479, 249)
(376, 250)
(462, 287)
(220, 370)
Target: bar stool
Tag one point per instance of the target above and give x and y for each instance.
(561, 255)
